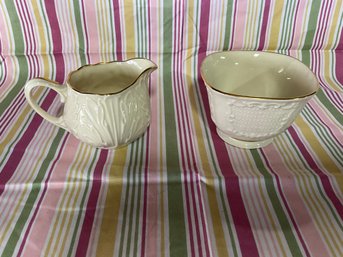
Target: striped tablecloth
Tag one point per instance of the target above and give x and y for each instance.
(179, 190)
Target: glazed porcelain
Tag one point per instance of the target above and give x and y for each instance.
(105, 105)
(254, 96)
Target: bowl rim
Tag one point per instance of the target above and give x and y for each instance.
(259, 97)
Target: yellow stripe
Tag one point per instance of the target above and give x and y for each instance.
(130, 34)
(275, 25)
(112, 205)
(334, 24)
(43, 37)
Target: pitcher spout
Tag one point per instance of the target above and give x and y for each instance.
(145, 66)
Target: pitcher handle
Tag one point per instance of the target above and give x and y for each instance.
(60, 89)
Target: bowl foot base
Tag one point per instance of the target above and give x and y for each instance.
(244, 144)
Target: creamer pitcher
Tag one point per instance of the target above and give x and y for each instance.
(105, 105)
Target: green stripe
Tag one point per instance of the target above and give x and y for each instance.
(287, 25)
(79, 27)
(139, 203)
(135, 189)
(286, 227)
(126, 206)
(321, 95)
(82, 203)
(312, 24)
(329, 106)
(177, 228)
(228, 29)
(310, 31)
(19, 46)
(30, 202)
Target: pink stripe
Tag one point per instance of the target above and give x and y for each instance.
(310, 238)
(321, 175)
(38, 204)
(239, 27)
(299, 21)
(22, 178)
(285, 203)
(271, 245)
(83, 242)
(92, 31)
(49, 205)
(9, 74)
(150, 247)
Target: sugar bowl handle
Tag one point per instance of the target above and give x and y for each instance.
(60, 89)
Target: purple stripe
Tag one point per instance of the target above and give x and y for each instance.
(339, 62)
(340, 46)
(18, 150)
(321, 175)
(285, 204)
(241, 222)
(92, 206)
(56, 40)
(233, 26)
(117, 24)
(264, 25)
(37, 206)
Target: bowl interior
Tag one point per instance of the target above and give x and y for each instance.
(258, 74)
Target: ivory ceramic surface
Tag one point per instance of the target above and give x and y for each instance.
(254, 96)
(105, 105)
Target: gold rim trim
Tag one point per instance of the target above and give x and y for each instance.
(259, 97)
(154, 67)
